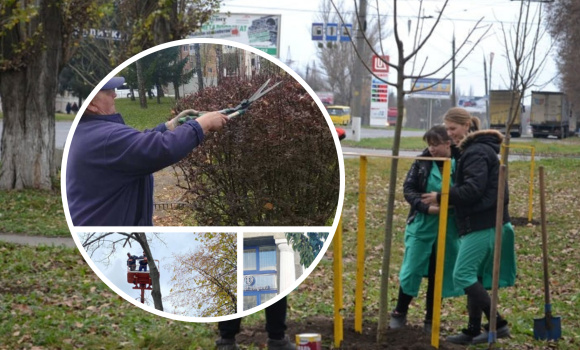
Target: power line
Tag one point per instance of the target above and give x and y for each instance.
(372, 15)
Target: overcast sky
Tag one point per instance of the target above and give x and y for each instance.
(461, 15)
(116, 269)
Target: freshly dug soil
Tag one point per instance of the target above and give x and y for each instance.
(408, 338)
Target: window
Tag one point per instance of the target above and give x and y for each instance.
(260, 275)
(250, 301)
(249, 259)
(267, 258)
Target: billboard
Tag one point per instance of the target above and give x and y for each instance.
(256, 30)
(379, 91)
(473, 104)
(441, 88)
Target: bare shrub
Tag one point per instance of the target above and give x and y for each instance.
(276, 165)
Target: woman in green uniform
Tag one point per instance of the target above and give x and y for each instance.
(422, 229)
(474, 196)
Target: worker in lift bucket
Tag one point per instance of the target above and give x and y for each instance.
(131, 261)
(143, 262)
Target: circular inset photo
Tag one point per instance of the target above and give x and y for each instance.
(197, 133)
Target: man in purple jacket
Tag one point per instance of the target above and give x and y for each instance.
(109, 172)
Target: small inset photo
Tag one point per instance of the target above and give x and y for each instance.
(202, 134)
(185, 274)
(275, 261)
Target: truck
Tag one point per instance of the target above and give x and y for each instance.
(499, 110)
(551, 115)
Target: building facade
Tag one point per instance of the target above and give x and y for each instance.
(270, 267)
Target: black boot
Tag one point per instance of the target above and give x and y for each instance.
(467, 334)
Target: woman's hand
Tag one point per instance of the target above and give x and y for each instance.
(430, 198)
(433, 210)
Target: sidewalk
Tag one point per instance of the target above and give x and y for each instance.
(37, 240)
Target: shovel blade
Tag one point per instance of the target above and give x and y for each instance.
(547, 329)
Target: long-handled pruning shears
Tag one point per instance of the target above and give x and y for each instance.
(230, 112)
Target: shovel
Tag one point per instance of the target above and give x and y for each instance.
(548, 327)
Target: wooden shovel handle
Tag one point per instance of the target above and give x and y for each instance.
(544, 235)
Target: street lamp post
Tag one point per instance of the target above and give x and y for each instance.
(453, 102)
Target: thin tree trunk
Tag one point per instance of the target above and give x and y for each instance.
(198, 69)
(141, 84)
(153, 272)
(28, 104)
(176, 88)
(386, 264)
(219, 63)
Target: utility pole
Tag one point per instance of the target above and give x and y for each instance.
(358, 66)
(453, 102)
(486, 91)
(491, 54)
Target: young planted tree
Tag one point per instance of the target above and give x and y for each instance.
(525, 59)
(111, 241)
(401, 67)
(307, 245)
(204, 280)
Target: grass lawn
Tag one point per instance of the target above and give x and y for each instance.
(141, 118)
(520, 304)
(33, 212)
(51, 299)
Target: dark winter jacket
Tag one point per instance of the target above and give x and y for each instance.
(416, 183)
(132, 260)
(109, 179)
(474, 193)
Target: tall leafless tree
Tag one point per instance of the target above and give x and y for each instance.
(525, 59)
(400, 67)
(563, 23)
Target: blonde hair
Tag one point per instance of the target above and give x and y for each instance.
(460, 116)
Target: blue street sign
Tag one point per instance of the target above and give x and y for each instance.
(331, 32)
(317, 31)
(345, 29)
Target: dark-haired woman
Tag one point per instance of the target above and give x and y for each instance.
(422, 229)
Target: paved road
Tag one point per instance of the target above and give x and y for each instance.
(378, 152)
(37, 240)
(377, 133)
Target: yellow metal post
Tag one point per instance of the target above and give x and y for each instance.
(338, 306)
(444, 205)
(360, 257)
(531, 196)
